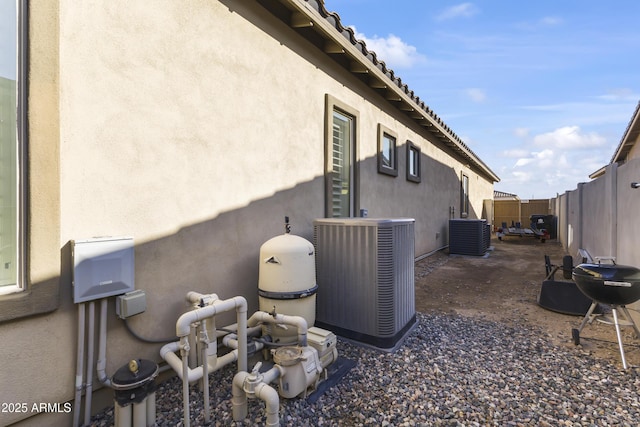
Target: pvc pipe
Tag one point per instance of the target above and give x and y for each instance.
(184, 354)
(205, 372)
(151, 409)
(183, 330)
(242, 335)
(102, 345)
(175, 361)
(262, 391)
(140, 413)
(79, 366)
(297, 321)
(90, 346)
(210, 330)
(198, 298)
(183, 325)
(167, 352)
(239, 397)
(270, 396)
(273, 374)
(233, 328)
(123, 415)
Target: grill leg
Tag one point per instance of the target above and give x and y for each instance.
(630, 319)
(588, 316)
(614, 311)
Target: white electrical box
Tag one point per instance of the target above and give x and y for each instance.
(131, 303)
(102, 267)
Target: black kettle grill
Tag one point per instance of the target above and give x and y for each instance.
(610, 284)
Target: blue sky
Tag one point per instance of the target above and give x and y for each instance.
(7, 38)
(541, 91)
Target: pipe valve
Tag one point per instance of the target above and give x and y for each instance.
(252, 380)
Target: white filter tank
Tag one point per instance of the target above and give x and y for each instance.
(287, 282)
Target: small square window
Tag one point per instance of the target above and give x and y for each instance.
(387, 152)
(413, 163)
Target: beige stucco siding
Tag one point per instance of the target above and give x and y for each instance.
(195, 130)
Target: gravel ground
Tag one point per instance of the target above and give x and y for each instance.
(451, 370)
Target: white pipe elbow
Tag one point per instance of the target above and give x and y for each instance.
(183, 325)
(239, 397)
(197, 298)
(262, 390)
(168, 353)
(270, 397)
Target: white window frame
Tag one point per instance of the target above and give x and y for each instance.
(334, 106)
(464, 195)
(16, 131)
(387, 151)
(414, 162)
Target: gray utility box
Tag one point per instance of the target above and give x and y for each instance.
(365, 275)
(102, 267)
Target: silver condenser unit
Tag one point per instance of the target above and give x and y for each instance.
(365, 275)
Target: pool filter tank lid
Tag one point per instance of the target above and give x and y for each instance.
(287, 268)
(135, 381)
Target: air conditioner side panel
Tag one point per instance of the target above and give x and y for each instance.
(346, 268)
(365, 275)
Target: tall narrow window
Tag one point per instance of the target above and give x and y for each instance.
(9, 196)
(341, 201)
(341, 168)
(464, 196)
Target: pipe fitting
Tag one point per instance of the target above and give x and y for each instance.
(261, 390)
(183, 325)
(201, 299)
(239, 397)
(274, 318)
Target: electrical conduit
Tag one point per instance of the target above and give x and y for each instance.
(90, 346)
(79, 365)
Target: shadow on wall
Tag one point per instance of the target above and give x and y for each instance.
(221, 255)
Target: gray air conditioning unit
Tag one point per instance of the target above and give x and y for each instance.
(469, 236)
(365, 275)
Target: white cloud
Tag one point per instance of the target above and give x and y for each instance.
(547, 21)
(464, 10)
(619, 94)
(523, 162)
(569, 137)
(551, 160)
(476, 95)
(521, 132)
(516, 153)
(392, 50)
(551, 20)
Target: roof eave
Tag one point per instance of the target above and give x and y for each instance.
(629, 138)
(340, 40)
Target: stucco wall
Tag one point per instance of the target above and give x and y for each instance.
(601, 217)
(194, 130)
(598, 215)
(627, 234)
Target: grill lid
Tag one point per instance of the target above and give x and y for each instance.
(607, 283)
(607, 272)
